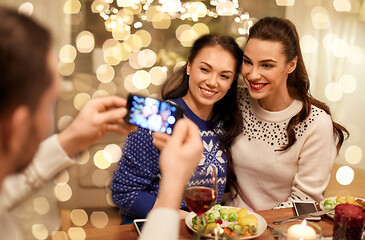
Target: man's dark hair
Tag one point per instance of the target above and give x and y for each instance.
(24, 70)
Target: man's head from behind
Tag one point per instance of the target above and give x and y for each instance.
(28, 86)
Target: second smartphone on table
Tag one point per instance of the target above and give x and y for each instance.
(306, 207)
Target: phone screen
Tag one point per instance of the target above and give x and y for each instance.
(306, 207)
(152, 114)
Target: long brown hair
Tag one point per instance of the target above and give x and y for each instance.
(226, 109)
(284, 31)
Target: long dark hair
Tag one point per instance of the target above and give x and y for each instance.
(226, 109)
(25, 74)
(284, 31)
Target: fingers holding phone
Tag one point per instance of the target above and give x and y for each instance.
(160, 140)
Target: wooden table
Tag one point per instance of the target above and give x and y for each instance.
(129, 232)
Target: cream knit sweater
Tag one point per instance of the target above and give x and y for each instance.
(270, 178)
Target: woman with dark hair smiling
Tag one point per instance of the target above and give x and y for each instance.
(288, 144)
(206, 87)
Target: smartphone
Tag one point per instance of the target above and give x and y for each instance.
(138, 224)
(306, 207)
(152, 114)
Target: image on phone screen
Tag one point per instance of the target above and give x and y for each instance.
(152, 114)
(306, 207)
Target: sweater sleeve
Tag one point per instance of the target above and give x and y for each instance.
(162, 224)
(314, 164)
(49, 160)
(138, 174)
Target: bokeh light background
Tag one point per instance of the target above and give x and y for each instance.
(114, 47)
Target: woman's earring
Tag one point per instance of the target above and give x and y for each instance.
(187, 73)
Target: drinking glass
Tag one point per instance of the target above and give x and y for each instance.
(201, 193)
(349, 222)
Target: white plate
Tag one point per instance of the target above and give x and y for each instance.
(332, 214)
(261, 226)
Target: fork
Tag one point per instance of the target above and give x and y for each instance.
(274, 232)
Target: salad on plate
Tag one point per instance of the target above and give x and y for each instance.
(228, 222)
(332, 202)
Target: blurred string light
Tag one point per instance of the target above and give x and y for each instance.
(63, 192)
(105, 73)
(348, 83)
(41, 205)
(26, 8)
(109, 198)
(77, 233)
(121, 16)
(85, 42)
(353, 154)
(63, 177)
(83, 158)
(342, 5)
(161, 12)
(99, 219)
(72, 7)
(79, 217)
(309, 44)
(158, 75)
(187, 34)
(64, 121)
(285, 3)
(320, 18)
(129, 42)
(39, 231)
(141, 79)
(345, 175)
(112, 153)
(336, 46)
(100, 93)
(67, 54)
(81, 99)
(333, 92)
(340, 48)
(66, 68)
(61, 235)
(100, 161)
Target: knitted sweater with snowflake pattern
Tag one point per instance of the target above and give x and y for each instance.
(135, 184)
